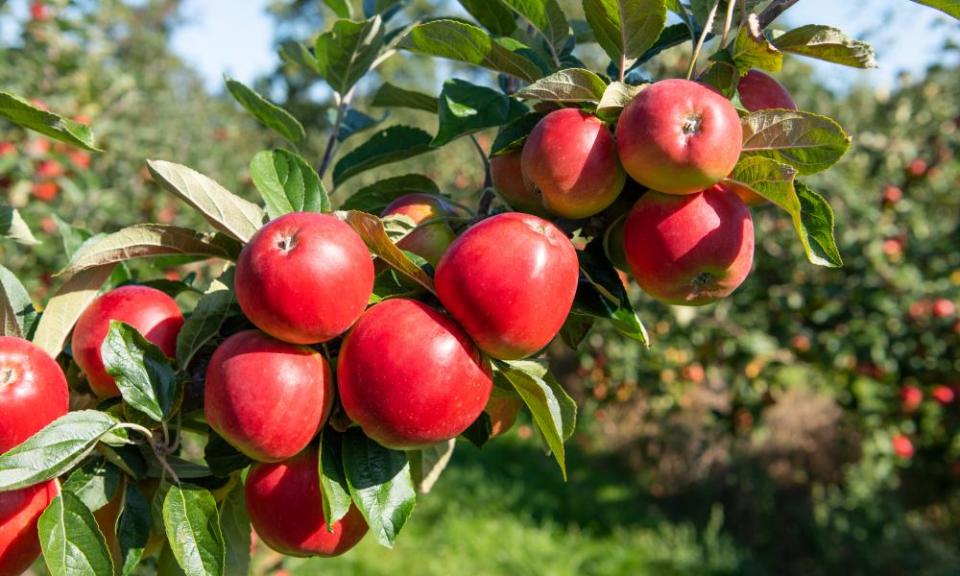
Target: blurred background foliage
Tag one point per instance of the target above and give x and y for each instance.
(806, 425)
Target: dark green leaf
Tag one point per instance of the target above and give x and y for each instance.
(389, 145)
(546, 17)
(342, 8)
(13, 227)
(268, 113)
(353, 122)
(570, 85)
(380, 484)
(479, 432)
(575, 328)
(56, 448)
(193, 529)
(293, 52)
(492, 15)
(23, 113)
(223, 458)
(375, 197)
(17, 314)
(95, 483)
(72, 543)
(235, 526)
(427, 464)
(722, 75)
(466, 43)
(625, 29)
(390, 95)
(347, 51)
(133, 530)
(512, 136)
(371, 229)
(287, 183)
(385, 8)
(826, 43)
(808, 142)
(466, 108)
(600, 294)
(204, 323)
(144, 375)
(333, 481)
(817, 223)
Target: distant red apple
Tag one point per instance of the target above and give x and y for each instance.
(47, 169)
(7, 148)
(902, 446)
(79, 159)
(943, 308)
(33, 391)
(45, 191)
(917, 168)
(892, 194)
(429, 241)
(760, 91)
(893, 247)
(910, 398)
(19, 512)
(39, 11)
(943, 394)
(520, 193)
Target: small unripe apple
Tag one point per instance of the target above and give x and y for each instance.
(428, 241)
(571, 158)
(502, 409)
(902, 446)
(286, 509)
(150, 311)
(943, 308)
(678, 137)
(506, 171)
(910, 398)
(944, 395)
(410, 377)
(33, 391)
(509, 281)
(692, 249)
(304, 278)
(760, 91)
(19, 512)
(265, 397)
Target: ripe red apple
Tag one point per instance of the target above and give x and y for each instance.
(267, 398)
(678, 137)
(286, 509)
(902, 446)
(304, 278)
(80, 159)
(509, 281)
(39, 11)
(892, 194)
(502, 409)
(429, 241)
(507, 174)
(45, 191)
(943, 308)
(19, 512)
(571, 158)
(410, 377)
(892, 247)
(150, 311)
(49, 169)
(910, 398)
(7, 147)
(943, 394)
(917, 168)
(760, 91)
(692, 249)
(33, 391)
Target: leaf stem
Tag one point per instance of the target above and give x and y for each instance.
(334, 133)
(703, 36)
(774, 10)
(727, 21)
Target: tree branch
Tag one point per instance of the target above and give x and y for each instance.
(334, 132)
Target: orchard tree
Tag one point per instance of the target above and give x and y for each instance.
(331, 367)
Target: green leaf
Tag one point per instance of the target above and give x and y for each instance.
(466, 108)
(575, 328)
(58, 447)
(95, 483)
(390, 95)
(600, 294)
(235, 526)
(512, 136)
(287, 183)
(808, 142)
(722, 74)
(212, 309)
(17, 314)
(150, 240)
(13, 227)
(133, 530)
(569, 85)
(371, 229)
(222, 458)
(333, 480)
(492, 15)
(614, 98)
(811, 214)
(145, 377)
(342, 8)
(375, 197)
(223, 209)
(546, 17)
(751, 49)
(295, 53)
(826, 43)
(386, 8)
(479, 432)
(464, 42)
(386, 146)
(71, 542)
(949, 7)
(23, 113)
(346, 52)
(192, 524)
(353, 122)
(380, 484)
(167, 563)
(625, 29)
(66, 306)
(427, 464)
(553, 411)
(268, 113)
(71, 237)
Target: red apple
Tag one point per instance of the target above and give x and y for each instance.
(692, 249)
(19, 512)
(678, 137)
(49, 169)
(509, 281)
(943, 394)
(286, 509)
(39, 12)
(410, 377)
(304, 278)
(267, 398)
(150, 311)
(502, 409)
(571, 158)
(910, 398)
(7, 147)
(428, 241)
(943, 308)
(33, 391)
(79, 159)
(760, 91)
(917, 168)
(892, 194)
(507, 174)
(902, 446)
(45, 191)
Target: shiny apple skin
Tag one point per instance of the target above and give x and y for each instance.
(33, 391)
(760, 91)
(428, 241)
(150, 311)
(265, 397)
(679, 137)
(19, 512)
(509, 281)
(410, 376)
(571, 158)
(692, 249)
(304, 278)
(506, 171)
(286, 509)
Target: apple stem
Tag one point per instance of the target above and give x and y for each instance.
(7, 376)
(703, 36)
